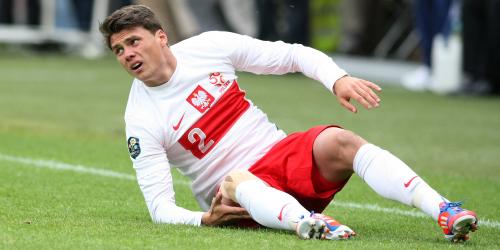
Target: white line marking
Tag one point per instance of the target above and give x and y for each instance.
(65, 166)
(377, 208)
(483, 222)
(109, 173)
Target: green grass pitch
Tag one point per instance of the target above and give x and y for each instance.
(66, 180)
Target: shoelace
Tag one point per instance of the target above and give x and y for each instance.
(310, 215)
(452, 205)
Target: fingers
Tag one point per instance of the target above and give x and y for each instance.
(236, 217)
(217, 198)
(221, 213)
(370, 87)
(237, 211)
(360, 90)
(366, 97)
(216, 201)
(348, 105)
(227, 214)
(363, 100)
(373, 86)
(225, 208)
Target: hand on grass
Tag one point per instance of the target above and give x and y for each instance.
(220, 214)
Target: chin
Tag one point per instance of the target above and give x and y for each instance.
(140, 76)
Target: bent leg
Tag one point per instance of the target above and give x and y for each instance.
(268, 206)
(338, 153)
(334, 150)
(232, 180)
(393, 179)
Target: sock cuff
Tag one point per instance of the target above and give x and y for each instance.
(365, 153)
(253, 185)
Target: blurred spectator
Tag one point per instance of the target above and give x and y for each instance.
(240, 16)
(20, 12)
(267, 12)
(116, 4)
(359, 19)
(208, 14)
(83, 13)
(431, 18)
(65, 16)
(33, 14)
(375, 27)
(6, 11)
(286, 20)
(176, 17)
(297, 22)
(481, 38)
(234, 15)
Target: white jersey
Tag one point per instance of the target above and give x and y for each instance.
(200, 121)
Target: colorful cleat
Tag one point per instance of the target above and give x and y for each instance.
(320, 226)
(456, 222)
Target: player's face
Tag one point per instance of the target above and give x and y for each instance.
(141, 54)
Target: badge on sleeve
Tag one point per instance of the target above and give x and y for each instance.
(133, 147)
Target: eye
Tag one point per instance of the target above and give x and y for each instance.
(135, 42)
(118, 51)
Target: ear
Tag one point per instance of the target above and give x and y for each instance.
(160, 34)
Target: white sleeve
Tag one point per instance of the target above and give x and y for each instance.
(264, 57)
(154, 177)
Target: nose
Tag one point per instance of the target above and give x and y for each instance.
(129, 54)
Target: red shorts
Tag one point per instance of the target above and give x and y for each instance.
(289, 166)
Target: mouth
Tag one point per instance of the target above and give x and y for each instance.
(136, 66)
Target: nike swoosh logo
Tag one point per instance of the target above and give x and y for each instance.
(409, 182)
(280, 216)
(176, 127)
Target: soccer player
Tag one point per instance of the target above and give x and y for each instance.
(186, 111)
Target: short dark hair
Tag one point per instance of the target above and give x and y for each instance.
(128, 17)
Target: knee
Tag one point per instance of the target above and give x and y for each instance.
(337, 147)
(348, 144)
(347, 140)
(232, 180)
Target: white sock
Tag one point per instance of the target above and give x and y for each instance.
(268, 205)
(393, 179)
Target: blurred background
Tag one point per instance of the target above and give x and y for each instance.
(445, 46)
(63, 96)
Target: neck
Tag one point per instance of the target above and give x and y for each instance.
(167, 70)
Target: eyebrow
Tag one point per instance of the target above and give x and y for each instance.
(128, 39)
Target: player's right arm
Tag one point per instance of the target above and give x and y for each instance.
(220, 213)
(155, 181)
(153, 173)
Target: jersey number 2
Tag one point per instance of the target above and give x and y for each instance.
(204, 134)
(197, 132)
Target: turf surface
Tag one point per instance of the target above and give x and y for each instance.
(64, 110)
